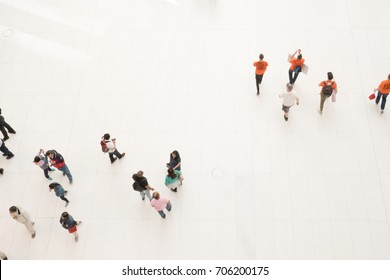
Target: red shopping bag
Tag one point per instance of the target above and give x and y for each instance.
(372, 96)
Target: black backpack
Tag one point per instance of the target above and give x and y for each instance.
(327, 89)
(137, 187)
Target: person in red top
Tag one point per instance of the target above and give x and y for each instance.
(296, 66)
(383, 91)
(328, 88)
(261, 66)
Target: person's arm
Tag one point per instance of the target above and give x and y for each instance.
(149, 187)
(177, 165)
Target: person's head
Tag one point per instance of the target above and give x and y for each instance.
(175, 154)
(37, 159)
(156, 195)
(52, 185)
(299, 56)
(50, 154)
(64, 215)
(261, 56)
(106, 136)
(330, 76)
(13, 209)
(289, 87)
(140, 173)
(171, 173)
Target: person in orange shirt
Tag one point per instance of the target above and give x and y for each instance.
(383, 91)
(296, 66)
(328, 88)
(261, 66)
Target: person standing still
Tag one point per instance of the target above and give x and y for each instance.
(261, 67)
(57, 160)
(42, 161)
(328, 88)
(383, 91)
(111, 146)
(23, 217)
(289, 99)
(174, 161)
(296, 66)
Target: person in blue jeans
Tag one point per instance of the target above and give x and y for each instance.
(58, 162)
(143, 182)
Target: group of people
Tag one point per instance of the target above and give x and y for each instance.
(328, 87)
(52, 158)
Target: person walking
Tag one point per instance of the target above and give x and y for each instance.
(70, 224)
(57, 160)
(42, 161)
(329, 87)
(59, 191)
(6, 153)
(23, 217)
(173, 179)
(3, 126)
(383, 91)
(296, 66)
(160, 203)
(141, 185)
(1, 171)
(111, 146)
(289, 99)
(174, 161)
(261, 67)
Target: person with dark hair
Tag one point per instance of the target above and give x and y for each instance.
(261, 67)
(159, 203)
(296, 66)
(383, 91)
(111, 146)
(289, 99)
(4, 125)
(57, 160)
(42, 161)
(70, 224)
(173, 179)
(6, 153)
(23, 217)
(59, 191)
(143, 185)
(329, 87)
(174, 161)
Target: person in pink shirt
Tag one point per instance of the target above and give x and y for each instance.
(160, 203)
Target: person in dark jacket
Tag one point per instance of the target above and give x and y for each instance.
(4, 125)
(70, 224)
(58, 162)
(174, 161)
(1, 171)
(6, 153)
(143, 182)
(59, 191)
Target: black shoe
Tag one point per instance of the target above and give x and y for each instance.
(122, 155)
(1, 171)
(174, 190)
(12, 132)
(5, 138)
(4, 155)
(114, 160)
(10, 156)
(285, 118)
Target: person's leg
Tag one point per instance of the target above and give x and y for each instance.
(323, 98)
(111, 155)
(30, 227)
(162, 214)
(9, 128)
(46, 172)
(169, 207)
(64, 199)
(66, 171)
(76, 236)
(5, 151)
(142, 194)
(383, 104)
(5, 134)
(148, 195)
(290, 78)
(118, 154)
(296, 73)
(257, 83)
(378, 97)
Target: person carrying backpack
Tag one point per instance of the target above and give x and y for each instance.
(328, 88)
(141, 185)
(383, 91)
(108, 145)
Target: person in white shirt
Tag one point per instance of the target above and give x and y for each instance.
(111, 146)
(23, 217)
(289, 99)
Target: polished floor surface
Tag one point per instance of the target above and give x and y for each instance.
(164, 75)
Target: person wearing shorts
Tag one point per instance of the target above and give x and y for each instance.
(289, 99)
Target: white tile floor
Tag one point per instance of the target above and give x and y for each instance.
(177, 74)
